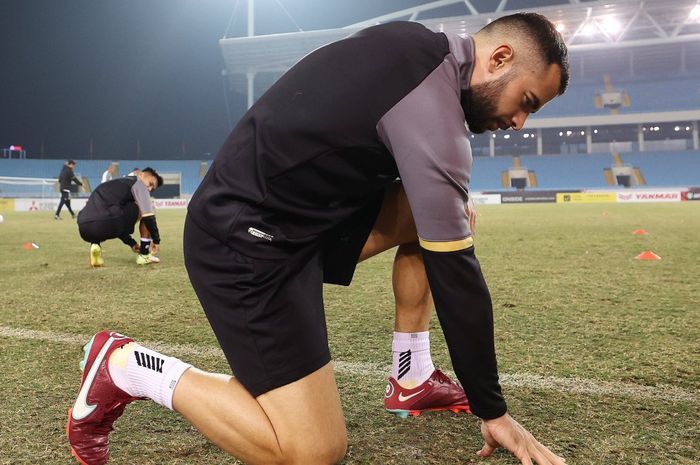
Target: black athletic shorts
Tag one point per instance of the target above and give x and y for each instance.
(267, 314)
(97, 231)
(343, 244)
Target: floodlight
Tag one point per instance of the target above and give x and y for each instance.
(589, 29)
(611, 25)
(695, 12)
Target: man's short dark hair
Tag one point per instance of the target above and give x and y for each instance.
(545, 37)
(70, 162)
(151, 171)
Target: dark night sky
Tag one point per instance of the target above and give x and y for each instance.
(125, 70)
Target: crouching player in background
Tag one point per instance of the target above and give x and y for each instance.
(112, 210)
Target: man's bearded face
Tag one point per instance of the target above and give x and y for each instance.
(480, 103)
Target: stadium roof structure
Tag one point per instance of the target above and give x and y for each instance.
(623, 37)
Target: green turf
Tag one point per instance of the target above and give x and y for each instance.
(569, 299)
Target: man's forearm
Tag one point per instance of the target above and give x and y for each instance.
(128, 240)
(463, 305)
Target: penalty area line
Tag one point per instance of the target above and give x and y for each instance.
(580, 386)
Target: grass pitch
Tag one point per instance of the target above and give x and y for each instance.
(598, 351)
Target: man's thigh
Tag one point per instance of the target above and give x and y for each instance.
(394, 225)
(267, 315)
(102, 230)
(385, 222)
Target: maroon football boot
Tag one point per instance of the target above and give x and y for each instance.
(99, 401)
(437, 393)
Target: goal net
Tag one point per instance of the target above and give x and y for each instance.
(28, 187)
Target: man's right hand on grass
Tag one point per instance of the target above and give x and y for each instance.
(505, 432)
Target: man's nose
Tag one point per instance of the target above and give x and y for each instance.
(518, 120)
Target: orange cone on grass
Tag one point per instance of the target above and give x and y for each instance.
(640, 232)
(647, 255)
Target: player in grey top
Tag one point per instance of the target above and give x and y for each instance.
(112, 210)
(316, 155)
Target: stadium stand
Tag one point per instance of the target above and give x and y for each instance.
(561, 171)
(660, 169)
(667, 168)
(486, 172)
(567, 171)
(645, 96)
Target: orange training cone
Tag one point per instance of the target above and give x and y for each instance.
(639, 232)
(647, 255)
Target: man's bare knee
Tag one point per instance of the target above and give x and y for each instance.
(341, 448)
(324, 454)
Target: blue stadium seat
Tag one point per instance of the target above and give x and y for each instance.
(660, 169)
(486, 172)
(568, 171)
(667, 169)
(645, 96)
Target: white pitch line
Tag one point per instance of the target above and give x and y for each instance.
(515, 380)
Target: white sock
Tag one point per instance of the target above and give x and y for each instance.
(411, 364)
(142, 372)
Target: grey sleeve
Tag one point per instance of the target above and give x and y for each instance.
(142, 198)
(426, 133)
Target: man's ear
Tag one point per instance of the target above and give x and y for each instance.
(500, 57)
